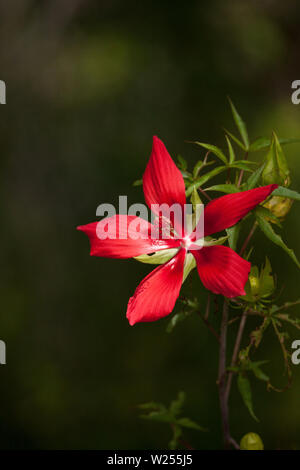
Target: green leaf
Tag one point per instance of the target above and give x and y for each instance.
(182, 163)
(235, 139)
(276, 169)
(285, 192)
(245, 391)
(230, 150)
(137, 182)
(267, 214)
(176, 405)
(224, 188)
(254, 178)
(197, 168)
(177, 433)
(242, 165)
(266, 281)
(188, 423)
(240, 125)
(195, 199)
(159, 257)
(215, 150)
(233, 235)
(176, 319)
(262, 143)
(259, 374)
(267, 229)
(208, 241)
(259, 144)
(203, 179)
(189, 265)
(152, 405)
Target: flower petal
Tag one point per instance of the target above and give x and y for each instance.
(126, 237)
(227, 210)
(162, 181)
(221, 270)
(156, 295)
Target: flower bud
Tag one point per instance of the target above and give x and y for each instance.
(276, 168)
(279, 206)
(251, 441)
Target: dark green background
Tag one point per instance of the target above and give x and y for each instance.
(88, 84)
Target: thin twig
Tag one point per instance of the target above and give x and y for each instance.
(236, 351)
(250, 235)
(228, 440)
(210, 327)
(242, 172)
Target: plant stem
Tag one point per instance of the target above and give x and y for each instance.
(235, 352)
(228, 440)
(245, 244)
(242, 172)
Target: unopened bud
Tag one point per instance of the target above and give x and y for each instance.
(251, 441)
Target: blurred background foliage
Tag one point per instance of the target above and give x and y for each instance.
(88, 84)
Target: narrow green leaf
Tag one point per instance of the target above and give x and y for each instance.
(245, 391)
(177, 404)
(235, 139)
(215, 150)
(240, 124)
(188, 423)
(242, 165)
(259, 144)
(254, 178)
(230, 150)
(159, 257)
(176, 319)
(137, 182)
(208, 241)
(285, 192)
(189, 265)
(203, 179)
(267, 229)
(267, 214)
(263, 142)
(197, 168)
(233, 235)
(182, 163)
(224, 188)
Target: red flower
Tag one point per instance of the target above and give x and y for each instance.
(220, 269)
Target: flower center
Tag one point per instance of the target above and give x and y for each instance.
(186, 242)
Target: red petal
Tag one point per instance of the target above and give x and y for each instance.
(156, 295)
(162, 180)
(222, 270)
(120, 242)
(227, 210)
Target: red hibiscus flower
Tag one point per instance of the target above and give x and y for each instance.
(220, 269)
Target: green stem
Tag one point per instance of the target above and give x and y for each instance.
(228, 440)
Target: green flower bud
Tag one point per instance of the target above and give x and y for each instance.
(276, 168)
(251, 441)
(279, 206)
